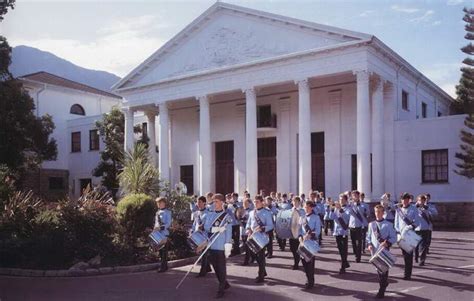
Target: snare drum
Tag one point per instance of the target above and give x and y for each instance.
(157, 239)
(408, 240)
(287, 224)
(308, 249)
(198, 241)
(257, 241)
(383, 260)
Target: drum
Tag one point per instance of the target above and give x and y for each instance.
(198, 241)
(408, 240)
(287, 224)
(157, 239)
(308, 249)
(383, 260)
(257, 241)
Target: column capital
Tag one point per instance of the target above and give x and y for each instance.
(203, 100)
(163, 107)
(362, 75)
(249, 91)
(302, 82)
(150, 114)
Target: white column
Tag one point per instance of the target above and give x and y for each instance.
(284, 146)
(251, 166)
(151, 136)
(333, 146)
(129, 135)
(363, 133)
(378, 171)
(304, 136)
(164, 162)
(204, 146)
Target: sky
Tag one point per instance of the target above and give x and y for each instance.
(116, 36)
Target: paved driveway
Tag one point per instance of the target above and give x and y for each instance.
(448, 275)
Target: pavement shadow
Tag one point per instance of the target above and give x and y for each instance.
(447, 283)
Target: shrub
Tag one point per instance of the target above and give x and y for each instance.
(136, 213)
(178, 241)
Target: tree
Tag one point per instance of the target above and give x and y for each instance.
(4, 5)
(24, 138)
(465, 101)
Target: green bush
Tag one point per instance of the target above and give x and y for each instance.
(136, 213)
(178, 241)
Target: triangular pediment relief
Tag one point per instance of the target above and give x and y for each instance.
(227, 37)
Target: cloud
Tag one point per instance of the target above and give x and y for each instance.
(407, 10)
(117, 48)
(366, 13)
(450, 89)
(423, 18)
(445, 75)
(454, 2)
(436, 23)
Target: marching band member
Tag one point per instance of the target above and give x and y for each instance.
(216, 251)
(249, 256)
(232, 206)
(274, 211)
(318, 209)
(328, 221)
(356, 223)
(260, 220)
(425, 213)
(389, 208)
(380, 234)
(210, 202)
(406, 216)
(366, 220)
(163, 223)
(283, 205)
(340, 215)
(294, 242)
(434, 212)
(311, 227)
(198, 225)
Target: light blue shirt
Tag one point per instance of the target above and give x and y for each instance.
(319, 208)
(411, 213)
(387, 232)
(199, 219)
(425, 214)
(327, 212)
(284, 205)
(163, 216)
(389, 213)
(265, 217)
(223, 238)
(311, 222)
(337, 216)
(356, 210)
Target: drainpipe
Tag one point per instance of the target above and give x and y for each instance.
(416, 97)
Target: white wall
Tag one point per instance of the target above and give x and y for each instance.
(411, 137)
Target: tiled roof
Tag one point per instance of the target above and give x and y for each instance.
(51, 79)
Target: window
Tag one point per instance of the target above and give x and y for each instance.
(353, 171)
(405, 100)
(434, 166)
(187, 177)
(440, 114)
(144, 131)
(77, 110)
(265, 119)
(84, 183)
(424, 110)
(76, 142)
(56, 183)
(93, 140)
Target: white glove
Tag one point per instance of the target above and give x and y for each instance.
(227, 249)
(410, 227)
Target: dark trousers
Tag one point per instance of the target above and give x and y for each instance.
(261, 263)
(356, 238)
(423, 245)
(328, 224)
(235, 239)
(364, 235)
(408, 258)
(383, 280)
(294, 244)
(342, 246)
(205, 267)
(164, 258)
(429, 241)
(309, 270)
(281, 243)
(217, 260)
(270, 243)
(249, 256)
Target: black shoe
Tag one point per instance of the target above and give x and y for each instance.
(358, 260)
(342, 271)
(422, 264)
(270, 256)
(407, 278)
(295, 267)
(227, 285)
(380, 295)
(308, 285)
(259, 280)
(416, 260)
(162, 270)
(245, 263)
(219, 294)
(346, 265)
(200, 275)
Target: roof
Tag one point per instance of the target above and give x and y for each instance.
(199, 21)
(51, 79)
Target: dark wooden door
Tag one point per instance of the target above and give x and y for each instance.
(317, 162)
(225, 167)
(187, 177)
(267, 168)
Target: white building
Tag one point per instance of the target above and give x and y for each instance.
(74, 108)
(248, 100)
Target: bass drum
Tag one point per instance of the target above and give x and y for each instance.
(287, 224)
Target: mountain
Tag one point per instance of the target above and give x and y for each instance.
(26, 60)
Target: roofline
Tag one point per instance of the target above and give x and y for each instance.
(111, 95)
(219, 5)
(250, 64)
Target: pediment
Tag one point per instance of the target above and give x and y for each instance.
(226, 37)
